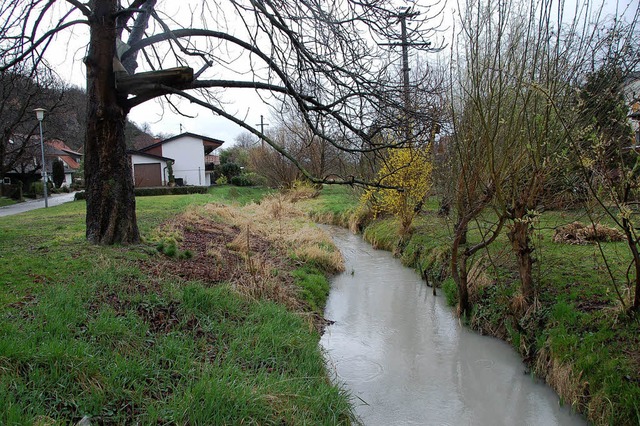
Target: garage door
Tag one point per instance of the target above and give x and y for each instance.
(147, 175)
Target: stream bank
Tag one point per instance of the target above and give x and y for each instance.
(577, 336)
(407, 360)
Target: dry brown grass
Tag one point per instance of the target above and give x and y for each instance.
(359, 218)
(251, 247)
(579, 233)
(280, 221)
(258, 280)
(567, 384)
(301, 192)
(478, 279)
(518, 305)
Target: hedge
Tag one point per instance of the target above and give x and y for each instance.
(160, 190)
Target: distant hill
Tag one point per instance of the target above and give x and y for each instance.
(66, 119)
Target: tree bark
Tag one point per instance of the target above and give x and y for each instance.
(521, 244)
(633, 247)
(111, 216)
(459, 269)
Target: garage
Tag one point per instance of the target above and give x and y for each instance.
(146, 175)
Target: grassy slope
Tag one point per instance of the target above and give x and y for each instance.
(84, 331)
(578, 336)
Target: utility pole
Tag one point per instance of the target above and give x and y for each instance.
(405, 43)
(402, 17)
(262, 124)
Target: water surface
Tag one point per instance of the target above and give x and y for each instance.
(406, 359)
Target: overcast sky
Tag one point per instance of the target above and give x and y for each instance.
(70, 48)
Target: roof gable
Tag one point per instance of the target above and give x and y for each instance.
(211, 142)
(145, 154)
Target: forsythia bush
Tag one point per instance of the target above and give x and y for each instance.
(409, 170)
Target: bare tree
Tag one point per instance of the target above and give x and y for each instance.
(284, 47)
(605, 144)
(278, 170)
(21, 91)
(516, 83)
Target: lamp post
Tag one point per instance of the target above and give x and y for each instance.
(40, 116)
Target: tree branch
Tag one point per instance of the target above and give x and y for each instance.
(80, 6)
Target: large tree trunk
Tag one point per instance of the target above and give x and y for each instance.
(111, 216)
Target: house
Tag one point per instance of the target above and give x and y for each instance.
(149, 169)
(632, 98)
(56, 149)
(22, 159)
(190, 159)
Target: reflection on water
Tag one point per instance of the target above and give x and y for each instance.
(406, 360)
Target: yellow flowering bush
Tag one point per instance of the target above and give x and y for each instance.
(408, 172)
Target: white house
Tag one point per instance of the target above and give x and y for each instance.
(187, 152)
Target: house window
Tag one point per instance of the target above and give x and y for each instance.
(6, 181)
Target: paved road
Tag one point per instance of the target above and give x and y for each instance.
(54, 200)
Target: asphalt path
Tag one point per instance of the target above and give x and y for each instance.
(54, 200)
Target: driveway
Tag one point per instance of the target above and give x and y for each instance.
(54, 200)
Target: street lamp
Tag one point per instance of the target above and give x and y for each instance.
(40, 116)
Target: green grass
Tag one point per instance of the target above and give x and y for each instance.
(4, 201)
(334, 206)
(85, 331)
(315, 287)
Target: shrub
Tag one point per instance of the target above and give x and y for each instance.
(57, 173)
(36, 188)
(256, 179)
(241, 180)
(407, 173)
(222, 180)
(164, 190)
(229, 170)
(168, 190)
(78, 183)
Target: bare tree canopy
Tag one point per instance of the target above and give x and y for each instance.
(328, 59)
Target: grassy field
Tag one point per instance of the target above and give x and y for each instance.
(134, 335)
(577, 335)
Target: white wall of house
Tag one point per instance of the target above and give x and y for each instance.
(188, 153)
(68, 178)
(632, 95)
(143, 159)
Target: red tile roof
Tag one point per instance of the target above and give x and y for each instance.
(65, 153)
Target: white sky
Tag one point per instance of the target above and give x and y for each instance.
(67, 52)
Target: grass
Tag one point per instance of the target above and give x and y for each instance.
(238, 194)
(577, 335)
(88, 330)
(4, 201)
(315, 287)
(334, 206)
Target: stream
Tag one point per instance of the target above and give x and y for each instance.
(406, 360)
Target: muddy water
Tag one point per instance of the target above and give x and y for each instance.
(407, 361)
